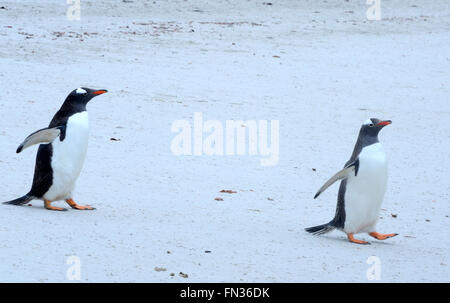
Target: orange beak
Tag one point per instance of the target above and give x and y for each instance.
(99, 92)
(384, 123)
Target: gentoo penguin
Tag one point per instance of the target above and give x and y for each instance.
(362, 188)
(62, 151)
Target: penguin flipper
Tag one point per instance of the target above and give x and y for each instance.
(45, 135)
(342, 174)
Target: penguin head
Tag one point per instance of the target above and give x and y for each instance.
(83, 95)
(372, 126)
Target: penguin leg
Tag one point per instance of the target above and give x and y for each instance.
(381, 236)
(79, 207)
(48, 205)
(352, 239)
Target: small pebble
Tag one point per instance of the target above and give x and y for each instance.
(183, 275)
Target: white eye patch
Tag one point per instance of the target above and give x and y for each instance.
(368, 121)
(81, 91)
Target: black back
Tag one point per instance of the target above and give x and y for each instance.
(43, 173)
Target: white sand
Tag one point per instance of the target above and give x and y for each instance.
(162, 62)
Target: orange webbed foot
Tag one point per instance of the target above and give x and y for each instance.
(79, 207)
(381, 236)
(353, 240)
(48, 205)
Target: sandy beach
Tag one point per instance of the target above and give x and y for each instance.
(320, 68)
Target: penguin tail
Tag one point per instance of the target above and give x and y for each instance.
(19, 201)
(321, 229)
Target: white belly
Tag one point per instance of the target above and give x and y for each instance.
(365, 192)
(68, 157)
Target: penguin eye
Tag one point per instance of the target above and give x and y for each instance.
(371, 124)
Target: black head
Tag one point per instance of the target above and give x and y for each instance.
(83, 95)
(77, 99)
(372, 127)
(75, 103)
